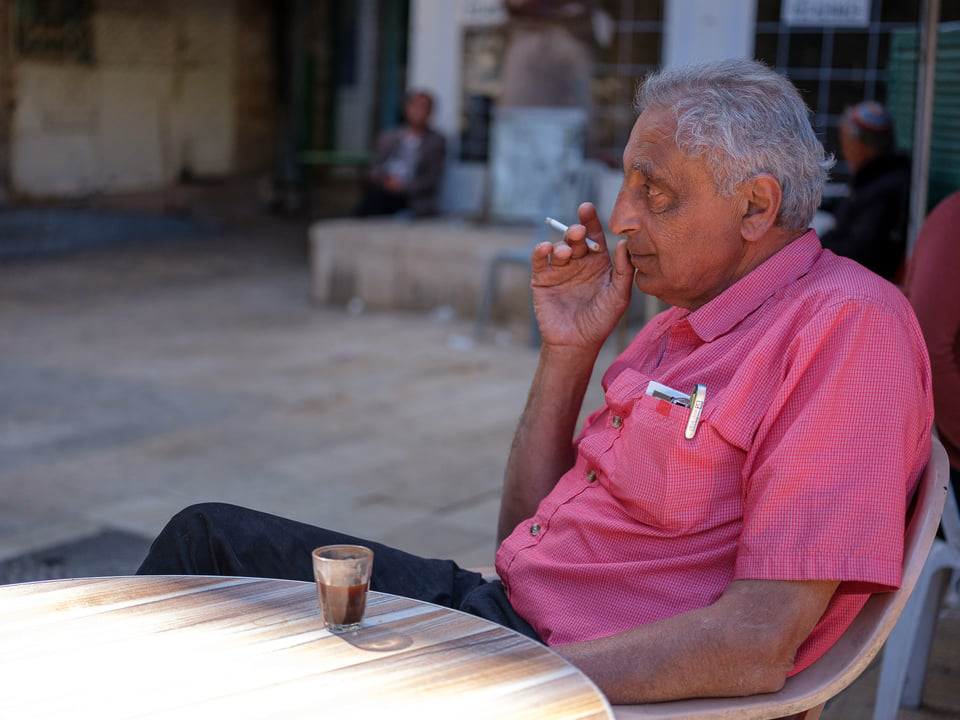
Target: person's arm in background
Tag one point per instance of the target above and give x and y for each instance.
(578, 298)
(934, 294)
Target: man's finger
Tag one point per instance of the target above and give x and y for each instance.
(562, 253)
(540, 257)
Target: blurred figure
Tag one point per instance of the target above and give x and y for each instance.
(407, 165)
(872, 222)
(548, 60)
(932, 288)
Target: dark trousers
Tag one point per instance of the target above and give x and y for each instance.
(222, 539)
(377, 200)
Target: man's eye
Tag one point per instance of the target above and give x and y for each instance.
(652, 191)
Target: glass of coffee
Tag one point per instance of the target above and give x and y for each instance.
(342, 573)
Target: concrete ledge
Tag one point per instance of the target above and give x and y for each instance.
(417, 265)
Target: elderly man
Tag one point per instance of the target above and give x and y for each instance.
(717, 524)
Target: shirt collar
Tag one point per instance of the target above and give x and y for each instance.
(722, 313)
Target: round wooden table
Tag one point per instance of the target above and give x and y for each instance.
(185, 647)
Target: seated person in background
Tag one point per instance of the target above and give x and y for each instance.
(934, 292)
(673, 548)
(407, 165)
(871, 223)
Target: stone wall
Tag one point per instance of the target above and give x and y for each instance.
(175, 89)
(255, 144)
(419, 266)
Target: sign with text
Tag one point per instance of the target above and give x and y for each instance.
(830, 13)
(483, 12)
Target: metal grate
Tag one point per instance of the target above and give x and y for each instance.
(634, 52)
(837, 66)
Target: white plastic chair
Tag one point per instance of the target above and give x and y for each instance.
(907, 652)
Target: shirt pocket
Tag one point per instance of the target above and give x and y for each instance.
(657, 475)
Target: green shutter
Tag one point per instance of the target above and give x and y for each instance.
(944, 175)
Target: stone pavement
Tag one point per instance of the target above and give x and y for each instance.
(137, 380)
(140, 378)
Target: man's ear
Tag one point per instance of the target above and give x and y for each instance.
(764, 196)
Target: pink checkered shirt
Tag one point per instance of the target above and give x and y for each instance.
(815, 430)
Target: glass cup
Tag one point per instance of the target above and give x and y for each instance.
(342, 573)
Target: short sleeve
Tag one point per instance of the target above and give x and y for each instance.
(833, 463)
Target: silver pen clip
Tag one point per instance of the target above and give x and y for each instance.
(697, 397)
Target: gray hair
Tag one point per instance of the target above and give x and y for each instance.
(744, 119)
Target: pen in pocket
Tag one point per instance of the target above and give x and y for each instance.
(697, 398)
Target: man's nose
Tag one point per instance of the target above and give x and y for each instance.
(623, 218)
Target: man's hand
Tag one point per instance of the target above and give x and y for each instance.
(578, 294)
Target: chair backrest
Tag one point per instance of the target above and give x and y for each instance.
(843, 662)
(950, 521)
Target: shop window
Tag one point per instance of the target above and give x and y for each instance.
(768, 10)
(845, 93)
(765, 48)
(851, 50)
(809, 91)
(900, 10)
(805, 50)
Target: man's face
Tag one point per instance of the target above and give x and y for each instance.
(683, 238)
(853, 150)
(417, 111)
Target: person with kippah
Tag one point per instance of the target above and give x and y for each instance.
(871, 225)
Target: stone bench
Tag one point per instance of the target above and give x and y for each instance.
(417, 265)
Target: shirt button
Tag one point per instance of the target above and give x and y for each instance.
(616, 421)
(535, 529)
(592, 476)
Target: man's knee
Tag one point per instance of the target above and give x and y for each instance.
(188, 520)
(186, 543)
(194, 525)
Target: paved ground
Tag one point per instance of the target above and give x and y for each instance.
(139, 378)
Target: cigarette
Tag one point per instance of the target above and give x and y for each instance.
(560, 227)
